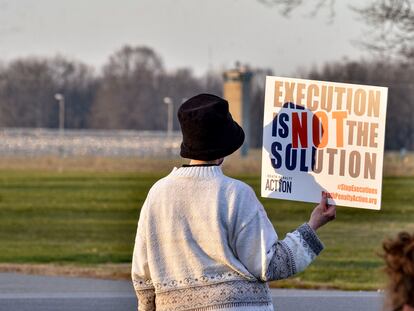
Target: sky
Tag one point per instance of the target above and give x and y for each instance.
(200, 34)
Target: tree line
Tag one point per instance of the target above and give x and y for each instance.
(128, 92)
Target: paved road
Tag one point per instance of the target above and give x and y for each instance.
(20, 292)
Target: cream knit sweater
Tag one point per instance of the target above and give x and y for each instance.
(204, 242)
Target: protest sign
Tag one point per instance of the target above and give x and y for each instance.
(323, 137)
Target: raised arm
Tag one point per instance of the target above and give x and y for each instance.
(268, 258)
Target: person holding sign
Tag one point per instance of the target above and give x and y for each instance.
(204, 240)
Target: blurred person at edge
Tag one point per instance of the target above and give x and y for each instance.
(399, 267)
(204, 240)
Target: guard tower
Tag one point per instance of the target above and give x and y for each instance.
(236, 89)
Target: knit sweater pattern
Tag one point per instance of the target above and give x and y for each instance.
(204, 242)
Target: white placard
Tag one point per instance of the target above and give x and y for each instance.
(323, 137)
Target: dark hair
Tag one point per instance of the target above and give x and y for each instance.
(399, 266)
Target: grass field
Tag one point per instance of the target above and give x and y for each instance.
(90, 218)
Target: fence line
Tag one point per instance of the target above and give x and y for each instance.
(41, 141)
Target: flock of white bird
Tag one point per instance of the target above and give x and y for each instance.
(36, 142)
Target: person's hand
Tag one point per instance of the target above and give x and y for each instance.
(322, 214)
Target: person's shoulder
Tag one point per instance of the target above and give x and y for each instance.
(159, 185)
(238, 186)
(242, 200)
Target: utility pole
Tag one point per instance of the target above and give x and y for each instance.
(61, 101)
(168, 101)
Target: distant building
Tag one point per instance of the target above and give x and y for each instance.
(236, 90)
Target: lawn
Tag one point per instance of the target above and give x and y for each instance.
(90, 218)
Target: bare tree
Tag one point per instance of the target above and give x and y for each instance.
(286, 7)
(26, 93)
(257, 105)
(179, 85)
(134, 83)
(392, 25)
(78, 83)
(28, 86)
(128, 95)
(391, 22)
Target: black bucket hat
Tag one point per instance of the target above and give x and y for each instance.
(209, 131)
